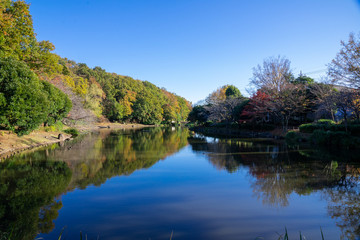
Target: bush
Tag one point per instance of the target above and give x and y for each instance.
(308, 128)
(337, 139)
(73, 131)
(325, 122)
(353, 129)
(58, 126)
(292, 137)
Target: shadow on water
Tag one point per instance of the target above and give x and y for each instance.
(278, 170)
(31, 182)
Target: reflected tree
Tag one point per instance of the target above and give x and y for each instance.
(25, 187)
(344, 203)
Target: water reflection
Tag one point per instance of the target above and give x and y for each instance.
(31, 183)
(278, 172)
(27, 187)
(186, 193)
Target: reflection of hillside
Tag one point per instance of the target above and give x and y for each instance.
(121, 153)
(278, 172)
(31, 181)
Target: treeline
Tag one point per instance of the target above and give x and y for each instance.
(28, 100)
(122, 98)
(281, 99)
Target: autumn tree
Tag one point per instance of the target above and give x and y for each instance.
(18, 39)
(325, 99)
(222, 104)
(256, 110)
(286, 99)
(345, 67)
(287, 104)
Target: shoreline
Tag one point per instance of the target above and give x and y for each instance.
(233, 132)
(11, 144)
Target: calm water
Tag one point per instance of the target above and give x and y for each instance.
(152, 183)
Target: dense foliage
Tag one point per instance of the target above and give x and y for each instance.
(25, 101)
(123, 98)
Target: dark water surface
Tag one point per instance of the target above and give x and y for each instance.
(156, 183)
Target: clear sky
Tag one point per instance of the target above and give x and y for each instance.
(192, 47)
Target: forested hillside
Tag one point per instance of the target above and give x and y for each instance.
(27, 100)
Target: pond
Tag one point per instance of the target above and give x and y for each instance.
(169, 183)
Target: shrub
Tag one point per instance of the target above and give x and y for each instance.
(73, 131)
(338, 139)
(308, 127)
(325, 122)
(352, 129)
(292, 137)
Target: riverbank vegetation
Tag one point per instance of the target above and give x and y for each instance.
(38, 87)
(281, 100)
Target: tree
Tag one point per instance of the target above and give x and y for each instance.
(288, 103)
(325, 99)
(23, 103)
(345, 68)
(17, 37)
(223, 110)
(59, 103)
(198, 114)
(147, 110)
(222, 103)
(273, 76)
(303, 79)
(219, 95)
(232, 92)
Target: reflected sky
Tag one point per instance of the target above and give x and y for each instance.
(204, 188)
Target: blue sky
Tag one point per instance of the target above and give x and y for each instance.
(192, 47)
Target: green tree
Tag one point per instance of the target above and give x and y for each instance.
(147, 111)
(59, 103)
(303, 79)
(23, 103)
(232, 92)
(198, 114)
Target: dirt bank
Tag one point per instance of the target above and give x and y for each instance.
(11, 144)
